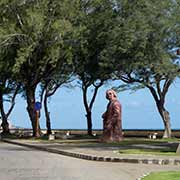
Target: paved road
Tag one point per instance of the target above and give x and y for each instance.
(20, 163)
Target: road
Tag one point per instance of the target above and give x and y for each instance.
(20, 163)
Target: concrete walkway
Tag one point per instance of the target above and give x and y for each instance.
(92, 150)
(23, 163)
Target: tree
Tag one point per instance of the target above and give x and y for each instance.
(95, 20)
(9, 86)
(48, 88)
(45, 29)
(150, 31)
(8, 93)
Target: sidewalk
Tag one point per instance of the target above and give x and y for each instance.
(92, 150)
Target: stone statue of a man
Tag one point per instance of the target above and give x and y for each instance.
(112, 122)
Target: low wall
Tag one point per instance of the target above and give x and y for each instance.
(126, 132)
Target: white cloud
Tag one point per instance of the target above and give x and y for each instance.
(135, 104)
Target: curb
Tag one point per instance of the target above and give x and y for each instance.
(99, 158)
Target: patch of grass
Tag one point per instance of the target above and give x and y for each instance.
(132, 141)
(165, 152)
(9, 136)
(145, 141)
(83, 139)
(170, 175)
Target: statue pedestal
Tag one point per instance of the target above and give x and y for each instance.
(107, 138)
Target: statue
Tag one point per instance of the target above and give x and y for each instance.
(112, 122)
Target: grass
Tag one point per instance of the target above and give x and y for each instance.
(130, 141)
(166, 147)
(170, 175)
(163, 152)
(125, 142)
(142, 146)
(134, 145)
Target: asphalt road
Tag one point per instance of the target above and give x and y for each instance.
(20, 163)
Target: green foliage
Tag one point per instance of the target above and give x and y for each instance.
(95, 22)
(141, 42)
(132, 87)
(8, 40)
(43, 31)
(39, 33)
(141, 48)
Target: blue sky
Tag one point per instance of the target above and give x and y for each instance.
(67, 110)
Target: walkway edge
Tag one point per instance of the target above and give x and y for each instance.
(98, 158)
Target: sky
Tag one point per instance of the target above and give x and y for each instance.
(67, 111)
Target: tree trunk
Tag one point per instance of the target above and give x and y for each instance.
(88, 111)
(89, 107)
(5, 124)
(167, 125)
(89, 122)
(166, 120)
(30, 93)
(48, 121)
(159, 98)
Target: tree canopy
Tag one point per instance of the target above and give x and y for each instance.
(51, 41)
(145, 60)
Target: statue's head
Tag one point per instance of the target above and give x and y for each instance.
(111, 94)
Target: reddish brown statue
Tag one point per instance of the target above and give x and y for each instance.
(112, 122)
